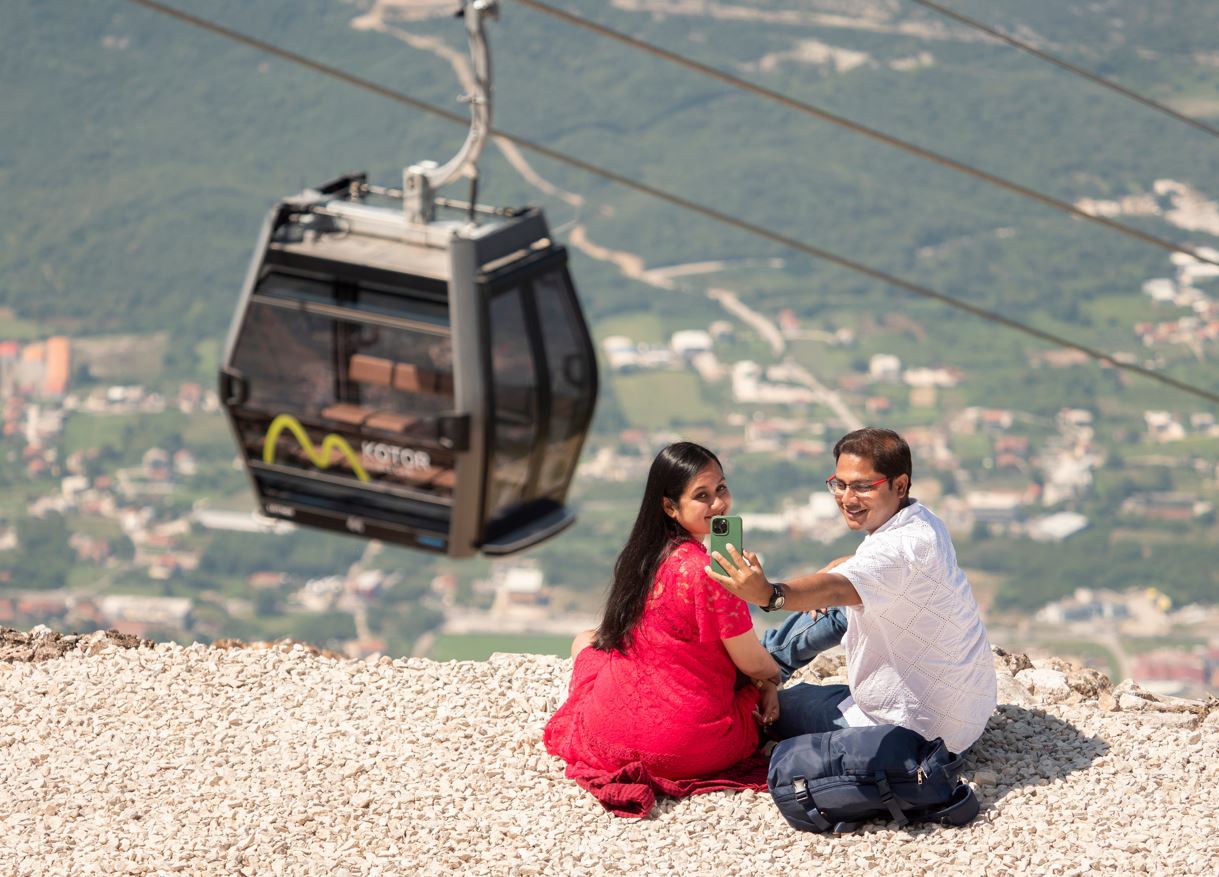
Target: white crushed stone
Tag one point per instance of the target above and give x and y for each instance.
(194, 760)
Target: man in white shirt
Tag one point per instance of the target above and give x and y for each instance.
(917, 651)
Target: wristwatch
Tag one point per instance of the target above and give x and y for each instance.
(776, 597)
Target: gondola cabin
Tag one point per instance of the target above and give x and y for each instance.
(427, 384)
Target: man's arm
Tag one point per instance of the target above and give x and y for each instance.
(817, 590)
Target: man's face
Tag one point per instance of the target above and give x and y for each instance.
(863, 508)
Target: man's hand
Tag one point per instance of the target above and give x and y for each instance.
(745, 576)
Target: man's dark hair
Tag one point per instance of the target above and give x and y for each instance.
(888, 451)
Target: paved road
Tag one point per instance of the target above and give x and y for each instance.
(828, 397)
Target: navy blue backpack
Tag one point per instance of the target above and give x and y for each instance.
(834, 780)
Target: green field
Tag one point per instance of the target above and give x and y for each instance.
(479, 647)
(13, 328)
(1143, 644)
(657, 400)
(120, 432)
(640, 327)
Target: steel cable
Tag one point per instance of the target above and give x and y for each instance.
(1068, 66)
(871, 133)
(692, 206)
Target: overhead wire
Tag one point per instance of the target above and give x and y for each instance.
(1067, 65)
(871, 133)
(687, 204)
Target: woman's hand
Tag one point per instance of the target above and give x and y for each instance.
(835, 562)
(767, 712)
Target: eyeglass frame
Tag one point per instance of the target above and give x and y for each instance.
(870, 486)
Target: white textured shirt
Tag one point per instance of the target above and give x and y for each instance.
(917, 651)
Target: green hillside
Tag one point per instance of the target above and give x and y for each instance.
(144, 153)
(139, 156)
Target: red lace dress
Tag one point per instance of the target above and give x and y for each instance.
(666, 716)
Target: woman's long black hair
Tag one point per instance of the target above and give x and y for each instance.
(651, 537)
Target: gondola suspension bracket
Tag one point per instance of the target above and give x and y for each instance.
(420, 181)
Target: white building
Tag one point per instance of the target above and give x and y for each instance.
(320, 595)
(1076, 417)
(748, 386)
(42, 424)
(72, 486)
(1056, 527)
(994, 507)
(1160, 290)
(620, 353)
(1162, 426)
(1067, 475)
(885, 367)
(931, 377)
(690, 341)
(520, 592)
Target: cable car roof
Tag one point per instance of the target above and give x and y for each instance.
(319, 225)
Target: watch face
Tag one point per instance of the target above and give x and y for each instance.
(776, 598)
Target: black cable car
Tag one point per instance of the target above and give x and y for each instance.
(420, 381)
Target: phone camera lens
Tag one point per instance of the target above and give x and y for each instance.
(720, 527)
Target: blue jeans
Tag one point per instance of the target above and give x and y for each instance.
(803, 637)
(809, 709)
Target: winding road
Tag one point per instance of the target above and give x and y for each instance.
(629, 264)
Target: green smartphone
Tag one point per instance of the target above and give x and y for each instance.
(725, 529)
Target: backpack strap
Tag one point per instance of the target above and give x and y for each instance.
(889, 799)
(800, 786)
(960, 809)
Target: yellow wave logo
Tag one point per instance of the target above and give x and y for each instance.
(320, 458)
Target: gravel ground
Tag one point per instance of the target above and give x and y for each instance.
(120, 757)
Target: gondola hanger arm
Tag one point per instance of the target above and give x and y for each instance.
(420, 181)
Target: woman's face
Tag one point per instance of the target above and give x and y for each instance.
(704, 496)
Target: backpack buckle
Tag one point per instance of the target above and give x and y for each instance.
(800, 787)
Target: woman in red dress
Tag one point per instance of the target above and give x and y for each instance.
(667, 693)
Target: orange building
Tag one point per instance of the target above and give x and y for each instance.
(58, 367)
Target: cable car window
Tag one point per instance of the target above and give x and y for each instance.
(572, 369)
(515, 414)
(416, 304)
(345, 398)
(285, 356)
(423, 302)
(298, 288)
